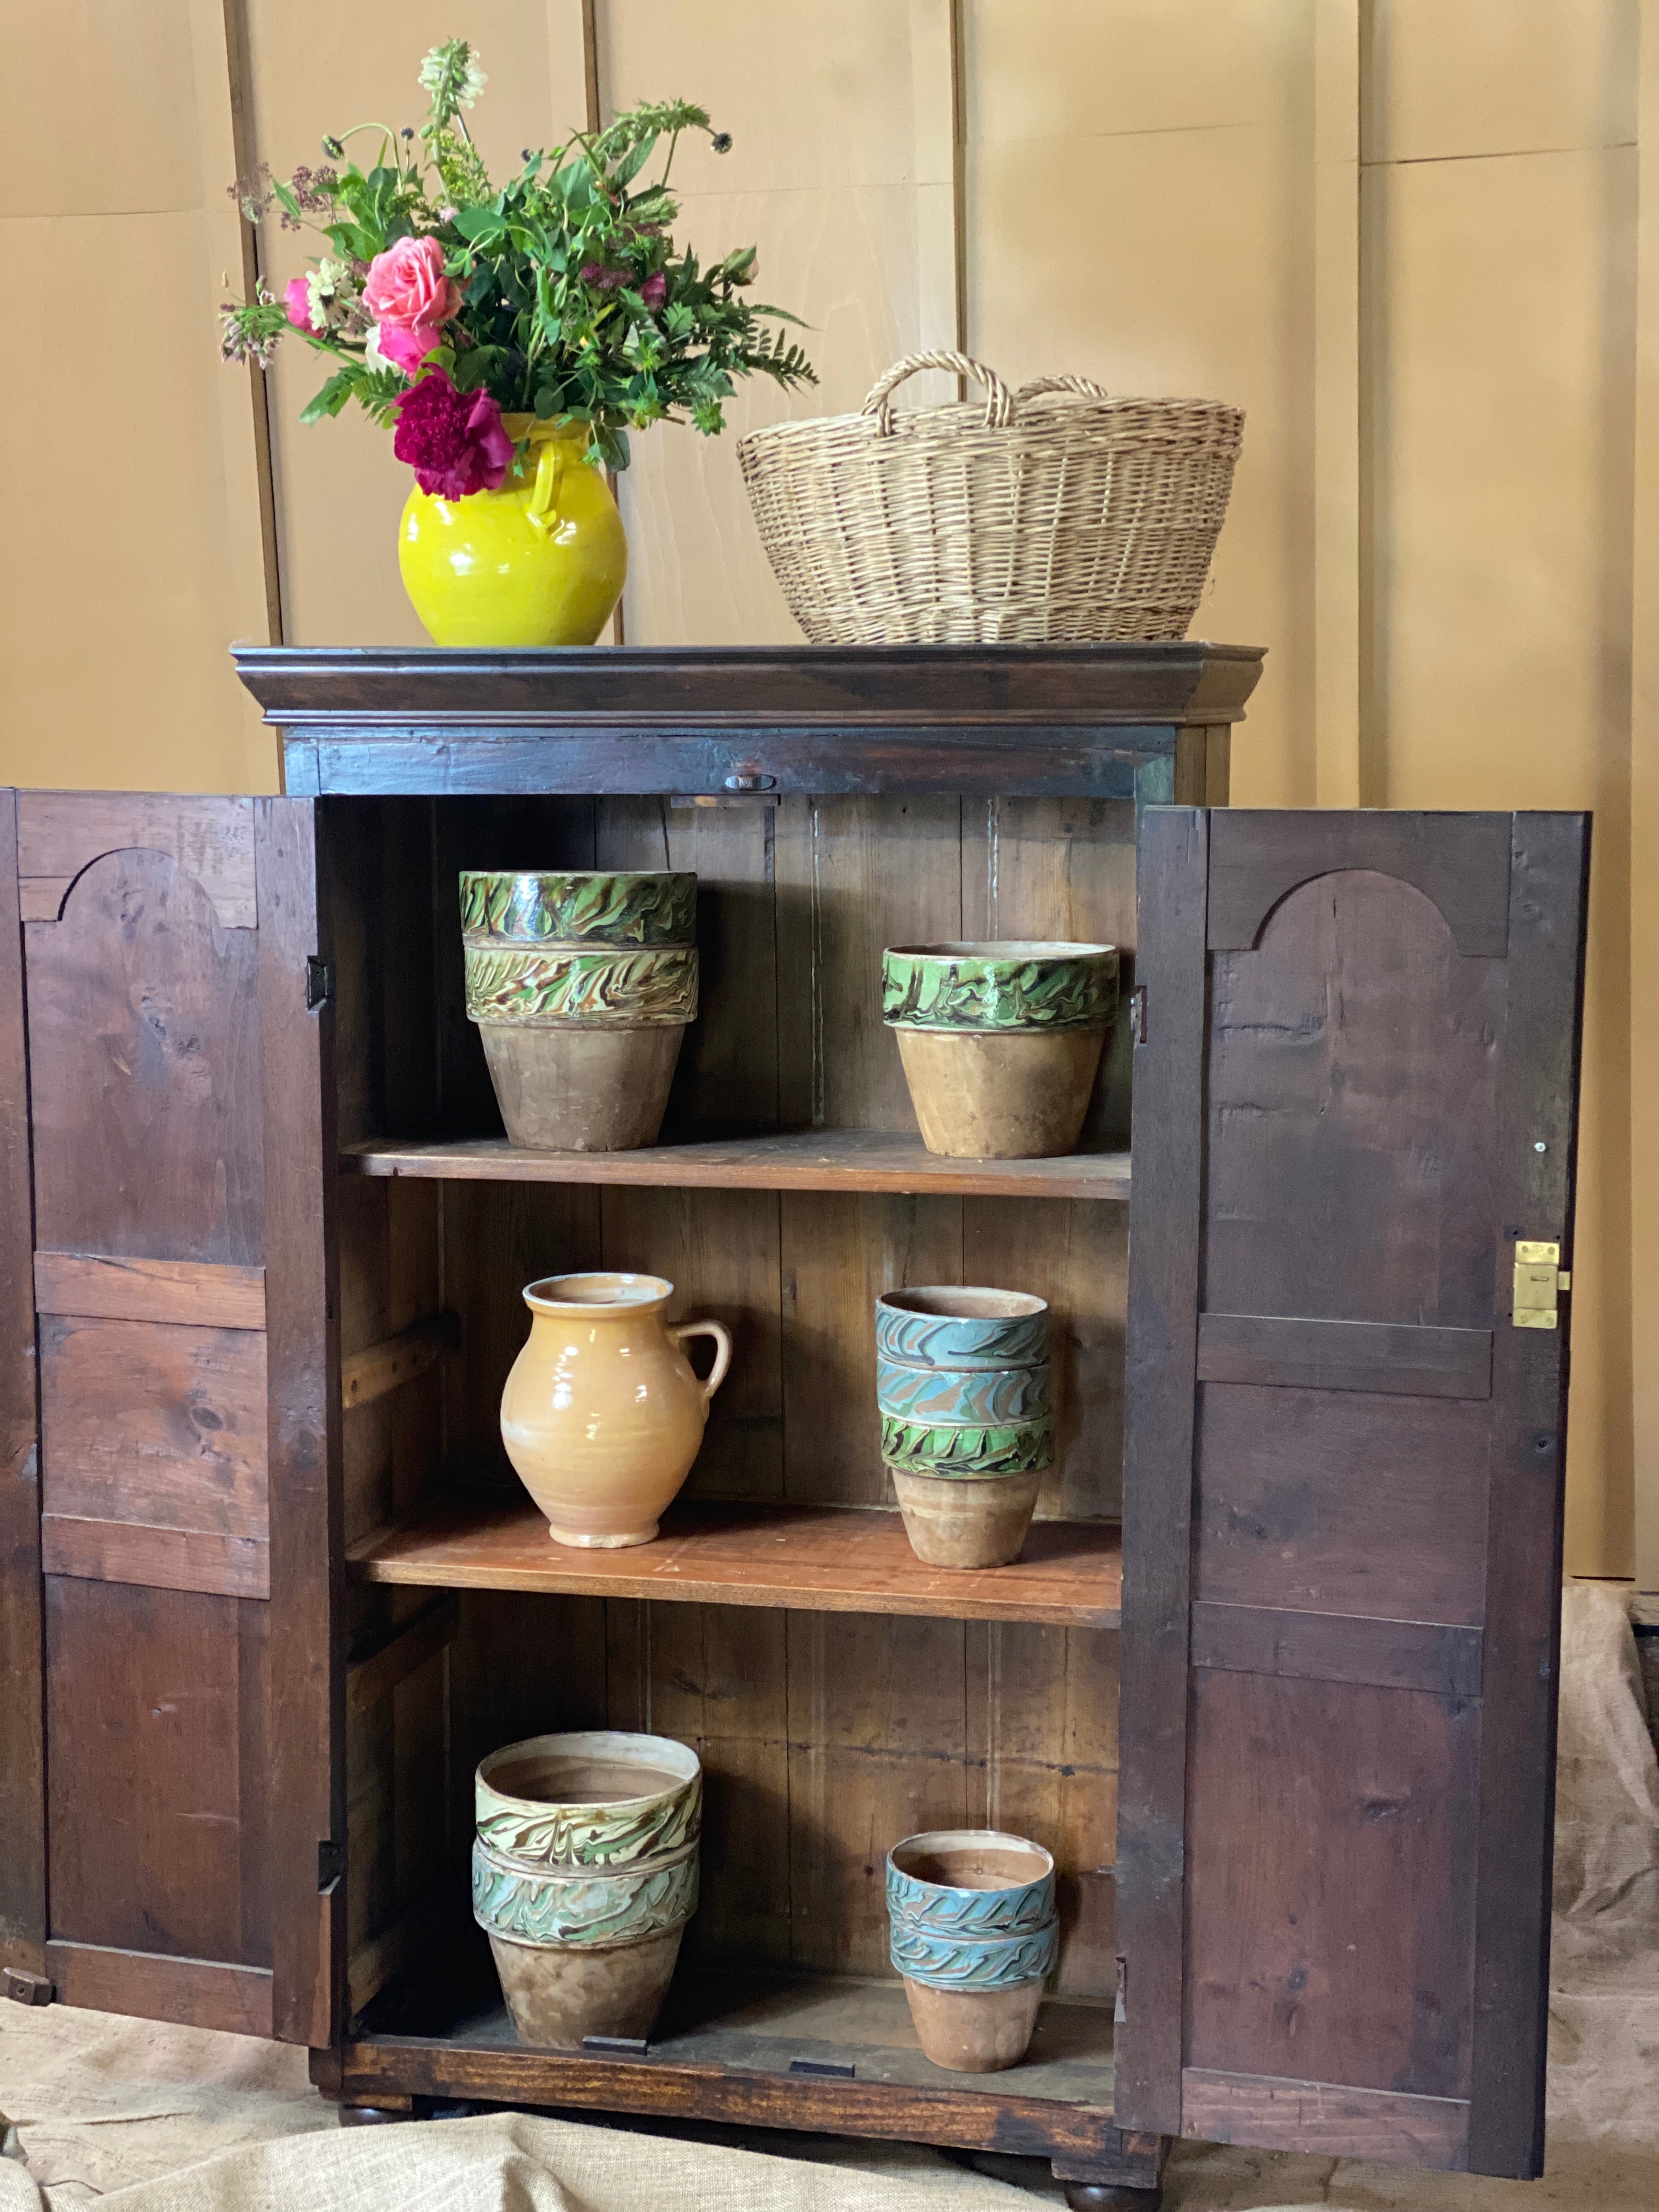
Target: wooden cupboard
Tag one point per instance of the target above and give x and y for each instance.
(271, 1591)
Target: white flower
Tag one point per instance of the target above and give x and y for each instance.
(323, 288)
(372, 353)
(453, 66)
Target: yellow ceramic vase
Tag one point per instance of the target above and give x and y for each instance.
(602, 1415)
(541, 561)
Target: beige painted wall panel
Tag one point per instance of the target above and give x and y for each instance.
(99, 116)
(1501, 399)
(844, 186)
(1448, 77)
(339, 489)
(1202, 285)
(115, 613)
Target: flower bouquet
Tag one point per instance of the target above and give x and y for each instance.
(511, 338)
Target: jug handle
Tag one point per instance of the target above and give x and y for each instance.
(543, 510)
(722, 1337)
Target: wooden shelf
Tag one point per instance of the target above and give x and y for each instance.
(810, 1559)
(723, 2052)
(807, 1159)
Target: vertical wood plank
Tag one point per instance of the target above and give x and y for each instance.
(1549, 876)
(1163, 1354)
(1338, 398)
(307, 1675)
(22, 1801)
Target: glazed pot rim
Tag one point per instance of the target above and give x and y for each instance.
(628, 1294)
(577, 875)
(932, 1842)
(618, 1745)
(1014, 950)
(1016, 1305)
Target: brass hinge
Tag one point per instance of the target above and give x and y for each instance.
(1539, 1279)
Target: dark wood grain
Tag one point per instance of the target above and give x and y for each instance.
(189, 1291)
(1338, 1647)
(396, 1361)
(1323, 2119)
(144, 1043)
(157, 1823)
(822, 1558)
(1549, 893)
(1345, 1355)
(154, 1423)
(60, 833)
(1342, 1501)
(22, 1741)
(1157, 1481)
(159, 1557)
(1257, 857)
(306, 1717)
(190, 1992)
(375, 1673)
(840, 688)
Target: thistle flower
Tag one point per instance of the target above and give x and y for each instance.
(249, 332)
(721, 141)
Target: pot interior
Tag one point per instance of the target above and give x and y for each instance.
(566, 1778)
(1000, 948)
(967, 1861)
(954, 1301)
(574, 1293)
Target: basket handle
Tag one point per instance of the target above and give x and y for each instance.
(1086, 385)
(998, 402)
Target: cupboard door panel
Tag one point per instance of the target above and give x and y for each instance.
(1355, 1102)
(189, 1406)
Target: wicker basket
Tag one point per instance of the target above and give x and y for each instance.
(1053, 515)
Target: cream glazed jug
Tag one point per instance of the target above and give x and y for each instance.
(602, 1415)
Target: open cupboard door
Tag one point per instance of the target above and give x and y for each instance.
(175, 1800)
(1356, 1079)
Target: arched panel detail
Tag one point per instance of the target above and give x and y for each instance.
(1259, 858)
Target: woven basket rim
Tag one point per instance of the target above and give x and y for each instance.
(970, 413)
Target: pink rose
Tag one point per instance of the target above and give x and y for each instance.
(406, 346)
(298, 296)
(406, 286)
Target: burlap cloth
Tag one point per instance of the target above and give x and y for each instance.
(151, 2119)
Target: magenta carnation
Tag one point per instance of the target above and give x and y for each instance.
(654, 290)
(453, 440)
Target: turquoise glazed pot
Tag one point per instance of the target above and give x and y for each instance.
(973, 1930)
(1001, 1040)
(582, 983)
(584, 1876)
(967, 1424)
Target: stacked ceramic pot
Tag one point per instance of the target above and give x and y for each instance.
(582, 984)
(1000, 1041)
(584, 1876)
(973, 1930)
(967, 1430)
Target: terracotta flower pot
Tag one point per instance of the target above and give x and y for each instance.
(582, 983)
(1000, 1041)
(962, 1388)
(584, 1876)
(973, 1932)
(602, 1415)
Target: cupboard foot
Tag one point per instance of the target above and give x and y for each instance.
(376, 2116)
(1111, 2197)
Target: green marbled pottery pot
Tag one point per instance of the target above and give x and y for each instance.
(569, 906)
(581, 983)
(584, 1876)
(999, 985)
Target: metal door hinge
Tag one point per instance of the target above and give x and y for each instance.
(331, 1864)
(1539, 1279)
(1119, 2009)
(1138, 1013)
(24, 1988)
(319, 984)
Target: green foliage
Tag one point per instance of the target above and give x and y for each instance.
(575, 302)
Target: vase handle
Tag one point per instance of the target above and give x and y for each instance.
(543, 508)
(722, 1337)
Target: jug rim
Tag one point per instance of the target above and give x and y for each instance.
(597, 1290)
